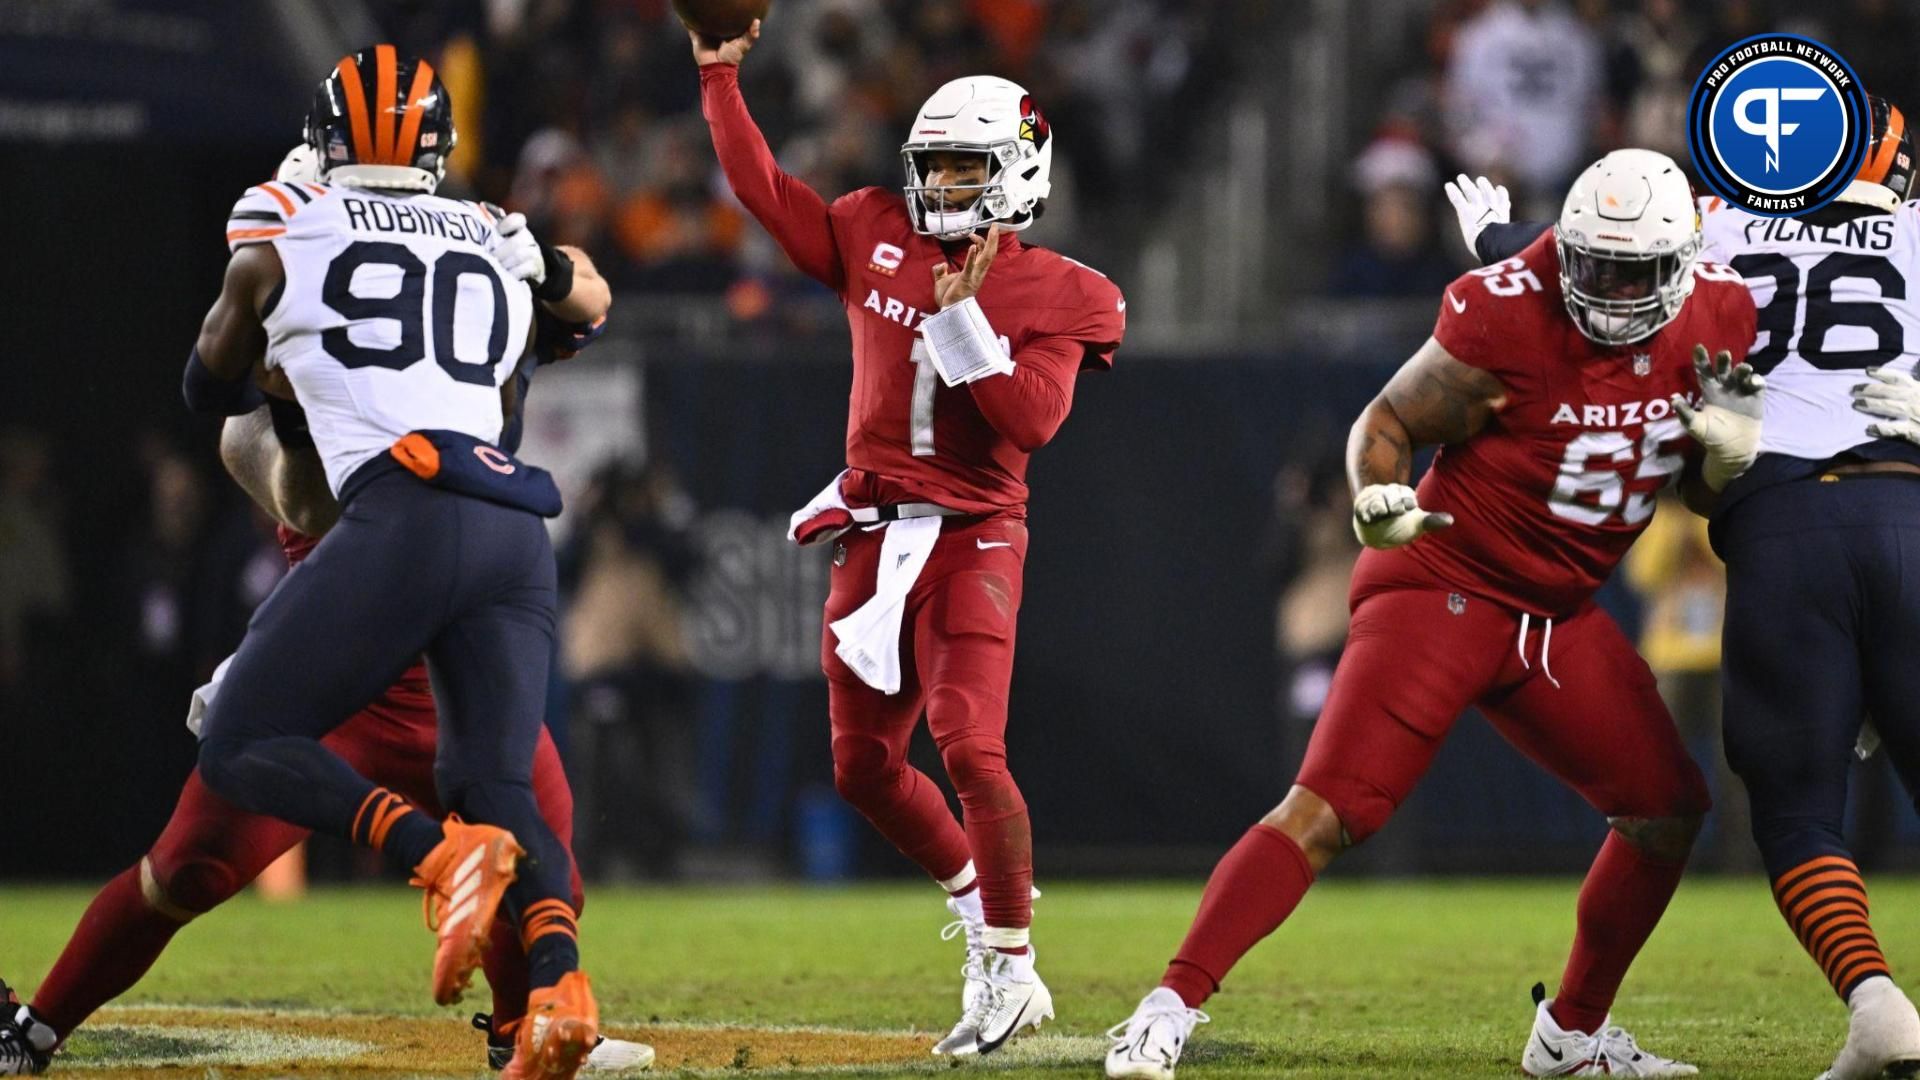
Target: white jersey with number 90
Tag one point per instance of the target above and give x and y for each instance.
(1833, 301)
(394, 317)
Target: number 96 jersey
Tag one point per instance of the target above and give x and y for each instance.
(1551, 494)
(393, 318)
(1835, 299)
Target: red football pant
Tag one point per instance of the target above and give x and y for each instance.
(210, 850)
(956, 660)
(1415, 659)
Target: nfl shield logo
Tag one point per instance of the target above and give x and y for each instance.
(1456, 603)
(1642, 363)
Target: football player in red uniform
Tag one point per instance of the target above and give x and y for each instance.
(1565, 388)
(958, 375)
(210, 849)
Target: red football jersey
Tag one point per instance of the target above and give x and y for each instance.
(1549, 497)
(910, 437)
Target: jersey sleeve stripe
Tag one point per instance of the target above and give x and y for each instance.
(286, 204)
(315, 188)
(253, 215)
(297, 193)
(239, 238)
(385, 75)
(416, 109)
(356, 95)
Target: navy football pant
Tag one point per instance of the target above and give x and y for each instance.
(410, 569)
(1822, 631)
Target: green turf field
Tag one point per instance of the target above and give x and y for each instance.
(1368, 980)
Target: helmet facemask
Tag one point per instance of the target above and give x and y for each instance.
(934, 211)
(1619, 297)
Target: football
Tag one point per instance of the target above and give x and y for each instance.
(719, 19)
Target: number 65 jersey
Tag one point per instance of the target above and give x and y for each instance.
(1552, 493)
(393, 318)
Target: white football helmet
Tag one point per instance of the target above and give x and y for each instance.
(984, 115)
(1627, 238)
(301, 165)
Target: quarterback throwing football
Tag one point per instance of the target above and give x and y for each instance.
(966, 346)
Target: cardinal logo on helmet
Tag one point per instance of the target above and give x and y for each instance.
(1033, 127)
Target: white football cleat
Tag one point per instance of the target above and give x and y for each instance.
(1883, 1035)
(607, 1055)
(1555, 1051)
(1015, 1001)
(1148, 1043)
(618, 1055)
(973, 973)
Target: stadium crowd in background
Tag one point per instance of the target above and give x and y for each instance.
(592, 122)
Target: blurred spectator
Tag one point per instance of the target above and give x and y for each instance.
(1523, 94)
(623, 646)
(33, 561)
(1683, 592)
(584, 114)
(1650, 73)
(1311, 551)
(1401, 254)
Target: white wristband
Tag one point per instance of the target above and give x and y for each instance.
(962, 345)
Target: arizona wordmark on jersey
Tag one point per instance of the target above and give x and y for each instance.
(1834, 299)
(1551, 494)
(394, 318)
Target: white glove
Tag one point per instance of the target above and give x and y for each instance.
(1479, 203)
(1389, 516)
(1894, 397)
(1727, 423)
(301, 165)
(517, 252)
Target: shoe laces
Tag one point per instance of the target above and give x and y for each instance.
(1615, 1041)
(1126, 1031)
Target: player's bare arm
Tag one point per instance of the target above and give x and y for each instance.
(1433, 400)
(289, 484)
(233, 338)
(590, 298)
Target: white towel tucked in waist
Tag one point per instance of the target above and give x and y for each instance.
(203, 698)
(869, 638)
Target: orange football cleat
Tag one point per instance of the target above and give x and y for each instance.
(465, 877)
(560, 1030)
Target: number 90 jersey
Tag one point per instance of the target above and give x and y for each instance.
(1551, 494)
(1835, 299)
(393, 318)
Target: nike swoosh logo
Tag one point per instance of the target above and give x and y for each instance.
(985, 545)
(988, 1046)
(1551, 1052)
(1458, 305)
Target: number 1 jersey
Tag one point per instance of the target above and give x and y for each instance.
(909, 435)
(1552, 493)
(393, 317)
